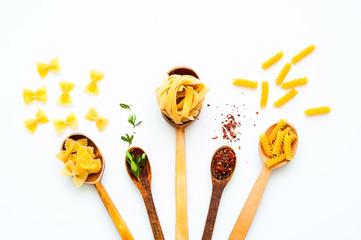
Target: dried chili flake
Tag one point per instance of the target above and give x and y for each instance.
(223, 162)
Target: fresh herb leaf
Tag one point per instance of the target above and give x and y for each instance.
(125, 106)
(134, 166)
(129, 155)
(138, 159)
(127, 139)
(143, 156)
(132, 119)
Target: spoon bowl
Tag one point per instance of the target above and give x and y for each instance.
(219, 182)
(143, 183)
(249, 210)
(95, 179)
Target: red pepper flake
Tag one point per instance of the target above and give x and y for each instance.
(239, 147)
(256, 112)
(215, 137)
(229, 128)
(208, 105)
(224, 162)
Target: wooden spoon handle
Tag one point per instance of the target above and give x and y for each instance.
(181, 187)
(152, 212)
(212, 212)
(113, 212)
(248, 212)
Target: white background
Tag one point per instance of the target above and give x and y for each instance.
(316, 196)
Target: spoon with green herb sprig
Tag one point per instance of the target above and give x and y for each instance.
(138, 168)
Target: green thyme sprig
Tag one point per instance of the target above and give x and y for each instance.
(127, 139)
(132, 119)
(134, 164)
(125, 106)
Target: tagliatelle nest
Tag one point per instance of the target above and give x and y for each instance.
(180, 97)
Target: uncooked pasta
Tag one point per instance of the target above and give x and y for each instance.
(272, 60)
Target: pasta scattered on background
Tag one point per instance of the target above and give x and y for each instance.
(70, 121)
(288, 96)
(79, 162)
(264, 94)
(32, 124)
(281, 148)
(92, 87)
(282, 75)
(245, 83)
(43, 68)
(294, 83)
(65, 98)
(318, 110)
(101, 122)
(180, 97)
(40, 94)
(272, 60)
(303, 54)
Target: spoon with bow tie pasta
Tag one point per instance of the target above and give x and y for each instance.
(87, 166)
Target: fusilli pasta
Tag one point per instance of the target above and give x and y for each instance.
(264, 94)
(294, 83)
(288, 96)
(245, 83)
(318, 110)
(303, 54)
(272, 60)
(282, 75)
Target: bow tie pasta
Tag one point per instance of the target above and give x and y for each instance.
(180, 97)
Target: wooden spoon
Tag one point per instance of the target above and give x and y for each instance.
(95, 180)
(219, 182)
(248, 212)
(180, 165)
(144, 186)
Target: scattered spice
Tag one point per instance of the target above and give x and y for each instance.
(223, 162)
(208, 105)
(229, 128)
(215, 137)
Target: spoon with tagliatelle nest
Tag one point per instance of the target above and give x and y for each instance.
(248, 212)
(222, 168)
(180, 164)
(95, 179)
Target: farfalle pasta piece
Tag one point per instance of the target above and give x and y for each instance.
(288, 96)
(318, 110)
(303, 54)
(264, 94)
(92, 87)
(43, 68)
(79, 175)
(294, 83)
(272, 60)
(282, 75)
(71, 147)
(40, 94)
(274, 160)
(180, 97)
(70, 121)
(245, 83)
(101, 122)
(65, 98)
(32, 124)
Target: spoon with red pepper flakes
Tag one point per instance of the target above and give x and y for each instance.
(222, 168)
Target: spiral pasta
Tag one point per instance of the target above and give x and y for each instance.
(180, 97)
(267, 148)
(294, 83)
(264, 94)
(303, 54)
(287, 147)
(288, 96)
(318, 110)
(282, 75)
(277, 145)
(272, 60)
(279, 127)
(245, 83)
(274, 160)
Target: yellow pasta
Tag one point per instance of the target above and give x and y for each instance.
(245, 83)
(277, 145)
(92, 87)
(279, 127)
(318, 110)
(65, 98)
(267, 148)
(101, 122)
(32, 124)
(288, 147)
(274, 160)
(282, 75)
(40, 94)
(180, 97)
(288, 96)
(70, 121)
(43, 68)
(303, 54)
(264, 94)
(79, 160)
(272, 60)
(294, 83)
